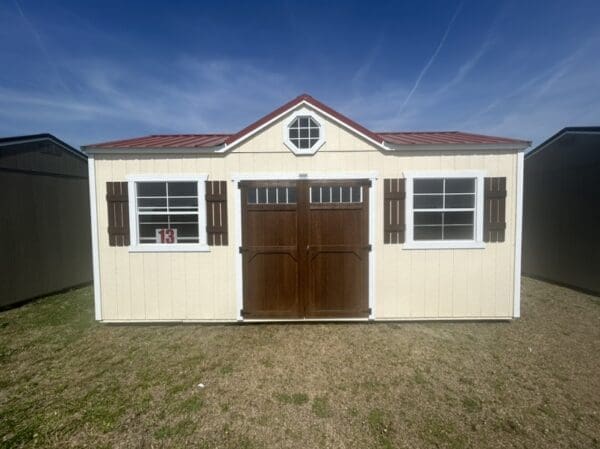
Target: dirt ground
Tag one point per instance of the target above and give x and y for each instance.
(66, 381)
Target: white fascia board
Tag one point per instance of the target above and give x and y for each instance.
(304, 103)
(460, 147)
(203, 150)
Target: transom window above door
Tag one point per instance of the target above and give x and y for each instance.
(303, 132)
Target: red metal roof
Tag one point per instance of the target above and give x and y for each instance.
(215, 140)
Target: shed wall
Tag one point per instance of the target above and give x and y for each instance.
(410, 284)
(561, 214)
(45, 241)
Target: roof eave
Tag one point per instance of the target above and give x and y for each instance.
(92, 150)
(509, 146)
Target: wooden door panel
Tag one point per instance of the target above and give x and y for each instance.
(336, 283)
(273, 287)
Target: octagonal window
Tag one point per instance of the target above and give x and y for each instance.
(304, 132)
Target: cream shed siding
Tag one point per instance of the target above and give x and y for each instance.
(409, 284)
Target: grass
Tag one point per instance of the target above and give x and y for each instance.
(66, 381)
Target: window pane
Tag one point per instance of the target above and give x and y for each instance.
(313, 142)
(151, 188)
(356, 194)
(345, 194)
(427, 233)
(428, 218)
(428, 201)
(304, 122)
(313, 124)
(152, 204)
(303, 143)
(281, 195)
(425, 185)
(326, 194)
(183, 189)
(458, 218)
(291, 195)
(335, 194)
(460, 200)
(262, 195)
(295, 123)
(293, 133)
(458, 232)
(183, 203)
(460, 185)
(251, 195)
(315, 195)
(296, 142)
(314, 133)
(304, 133)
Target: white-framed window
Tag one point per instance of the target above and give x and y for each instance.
(303, 132)
(444, 210)
(167, 213)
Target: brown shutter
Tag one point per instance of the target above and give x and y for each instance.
(494, 214)
(216, 213)
(118, 213)
(394, 197)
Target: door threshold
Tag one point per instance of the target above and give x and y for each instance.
(300, 320)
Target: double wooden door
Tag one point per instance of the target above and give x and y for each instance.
(305, 249)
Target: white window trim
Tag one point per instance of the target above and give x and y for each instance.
(477, 242)
(135, 246)
(303, 112)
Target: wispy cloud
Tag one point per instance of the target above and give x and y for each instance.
(432, 58)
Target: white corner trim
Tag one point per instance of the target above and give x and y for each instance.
(477, 243)
(518, 235)
(285, 128)
(237, 177)
(239, 267)
(372, 239)
(95, 253)
(136, 247)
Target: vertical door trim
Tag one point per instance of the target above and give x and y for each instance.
(237, 177)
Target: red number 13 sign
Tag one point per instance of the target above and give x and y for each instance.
(166, 236)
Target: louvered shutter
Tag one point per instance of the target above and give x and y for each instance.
(117, 201)
(216, 213)
(394, 198)
(494, 214)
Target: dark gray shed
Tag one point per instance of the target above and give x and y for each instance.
(45, 243)
(561, 209)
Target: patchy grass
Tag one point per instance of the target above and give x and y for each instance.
(66, 381)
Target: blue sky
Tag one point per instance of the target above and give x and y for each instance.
(92, 71)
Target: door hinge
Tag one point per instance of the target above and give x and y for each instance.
(242, 249)
(243, 313)
(368, 247)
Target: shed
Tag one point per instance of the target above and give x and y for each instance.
(307, 215)
(45, 242)
(562, 209)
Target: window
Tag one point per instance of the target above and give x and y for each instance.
(336, 194)
(272, 195)
(167, 215)
(444, 211)
(304, 132)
